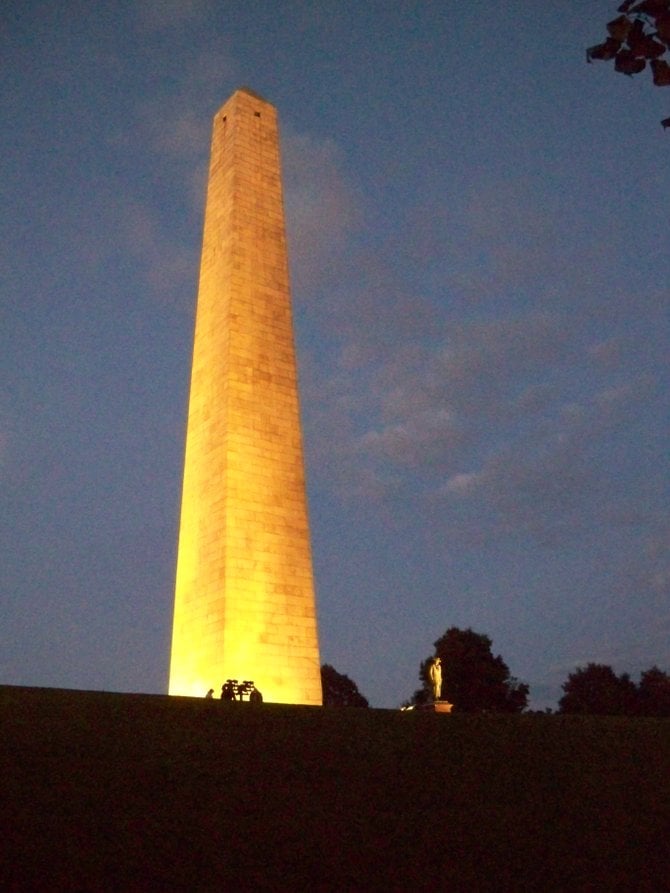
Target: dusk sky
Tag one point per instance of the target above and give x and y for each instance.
(478, 237)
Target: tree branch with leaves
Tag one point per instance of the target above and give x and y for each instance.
(637, 39)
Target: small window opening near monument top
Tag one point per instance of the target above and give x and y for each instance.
(257, 114)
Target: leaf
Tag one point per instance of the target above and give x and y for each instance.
(627, 63)
(607, 50)
(661, 72)
(619, 28)
(636, 31)
(663, 27)
(645, 46)
(650, 7)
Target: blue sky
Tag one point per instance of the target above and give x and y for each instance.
(479, 253)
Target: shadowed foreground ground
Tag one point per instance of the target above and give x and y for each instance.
(143, 792)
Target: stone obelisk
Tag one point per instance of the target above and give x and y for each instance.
(244, 599)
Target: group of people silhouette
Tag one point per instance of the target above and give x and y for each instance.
(232, 690)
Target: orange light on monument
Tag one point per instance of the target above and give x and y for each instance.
(244, 595)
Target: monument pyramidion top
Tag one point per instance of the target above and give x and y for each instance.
(250, 92)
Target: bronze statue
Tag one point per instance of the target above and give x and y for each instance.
(435, 676)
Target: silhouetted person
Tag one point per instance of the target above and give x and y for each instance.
(210, 694)
(227, 692)
(255, 697)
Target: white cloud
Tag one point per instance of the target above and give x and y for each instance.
(501, 420)
(322, 208)
(424, 437)
(461, 483)
(159, 15)
(174, 128)
(170, 270)
(607, 353)
(549, 482)
(177, 121)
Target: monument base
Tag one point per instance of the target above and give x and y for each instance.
(436, 707)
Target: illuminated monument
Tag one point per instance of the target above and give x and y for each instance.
(244, 599)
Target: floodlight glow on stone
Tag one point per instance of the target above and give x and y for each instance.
(244, 595)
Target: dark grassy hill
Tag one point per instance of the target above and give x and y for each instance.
(137, 792)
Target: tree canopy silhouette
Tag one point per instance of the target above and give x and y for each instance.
(473, 679)
(339, 690)
(653, 693)
(597, 689)
(637, 39)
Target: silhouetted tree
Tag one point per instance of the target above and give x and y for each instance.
(653, 693)
(640, 35)
(597, 689)
(339, 690)
(472, 678)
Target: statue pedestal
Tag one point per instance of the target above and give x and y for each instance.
(436, 707)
